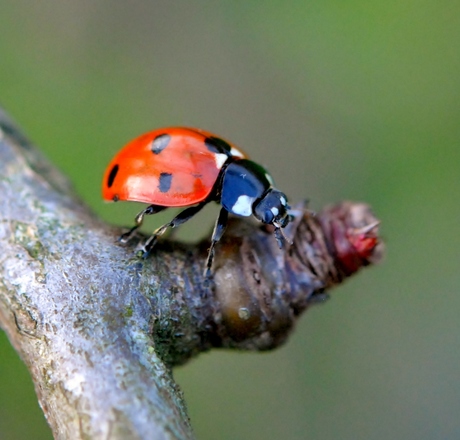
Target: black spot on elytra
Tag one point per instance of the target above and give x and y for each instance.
(217, 145)
(160, 143)
(112, 175)
(165, 182)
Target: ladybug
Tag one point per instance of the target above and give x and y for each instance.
(189, 167)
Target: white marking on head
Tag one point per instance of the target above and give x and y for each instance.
(283, 201)
(236, 153)
(270, 179)
(275, 211)
(220, 159)
(243, 206)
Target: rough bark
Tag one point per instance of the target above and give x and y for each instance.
(100, 328)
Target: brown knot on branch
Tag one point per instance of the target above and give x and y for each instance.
(261, 290)
(99, 327)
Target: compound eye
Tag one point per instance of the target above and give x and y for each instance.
(268, 216)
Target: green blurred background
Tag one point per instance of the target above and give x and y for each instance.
(339, 100)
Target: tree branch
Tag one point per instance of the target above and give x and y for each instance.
(100, 328)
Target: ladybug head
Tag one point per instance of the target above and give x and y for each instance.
(272, 209)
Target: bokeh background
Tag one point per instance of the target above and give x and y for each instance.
(339, 100)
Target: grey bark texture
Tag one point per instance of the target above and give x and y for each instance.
(71, 305)
(100, 328)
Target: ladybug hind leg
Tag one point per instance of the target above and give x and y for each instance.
(180, 219)
(219, 229)
(138, 220)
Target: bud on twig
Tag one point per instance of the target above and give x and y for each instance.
(260, 290)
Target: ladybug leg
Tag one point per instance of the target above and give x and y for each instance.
(152, 209)
(219, 229)
(181, 218)
(281, 237)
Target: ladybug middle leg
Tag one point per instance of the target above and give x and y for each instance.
(219, 229)
(180, 219)
(152, 209)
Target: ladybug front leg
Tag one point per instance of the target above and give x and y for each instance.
(181, 218)
(152, 209)
(219, 229)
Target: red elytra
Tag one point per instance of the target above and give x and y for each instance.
(169, 167)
